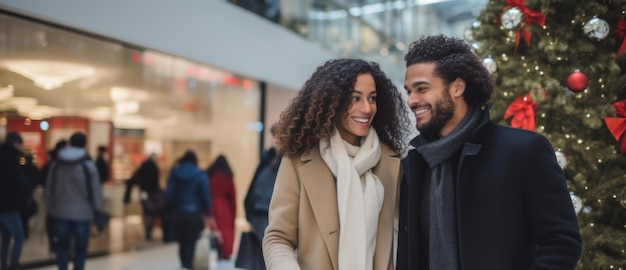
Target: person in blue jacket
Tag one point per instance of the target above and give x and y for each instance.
(476, 195)
(189, 198)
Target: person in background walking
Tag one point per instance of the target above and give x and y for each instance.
(52, 155)
(14, 194)
(32, 174)
(257, 205)
(147, 177)
(188, 195)
(102, 164)
(71, 203)
(223, 204)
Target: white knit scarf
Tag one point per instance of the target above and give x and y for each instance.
(359, 197)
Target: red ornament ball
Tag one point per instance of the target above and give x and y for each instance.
(577, 81)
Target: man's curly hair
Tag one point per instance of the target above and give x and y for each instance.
(454, 59)
(316, 110)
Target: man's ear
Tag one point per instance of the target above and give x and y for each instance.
(458, 87)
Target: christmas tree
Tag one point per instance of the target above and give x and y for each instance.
(560, 69)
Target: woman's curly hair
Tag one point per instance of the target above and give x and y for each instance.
(326, 95)
(455, 59)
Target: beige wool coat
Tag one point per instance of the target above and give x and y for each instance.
(303, 231)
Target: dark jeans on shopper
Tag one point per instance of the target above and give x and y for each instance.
(188, 227)
(11, 228)
(65, 231)
(148, 221)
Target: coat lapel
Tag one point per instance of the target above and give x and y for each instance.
(321, 190)
(387, 172)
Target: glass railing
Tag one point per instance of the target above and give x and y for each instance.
(374, 30)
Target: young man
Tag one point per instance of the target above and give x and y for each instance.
(67, 200)
(476, 195)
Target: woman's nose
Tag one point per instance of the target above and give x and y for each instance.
(366, 107)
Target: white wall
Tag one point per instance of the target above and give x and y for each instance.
(209, 31)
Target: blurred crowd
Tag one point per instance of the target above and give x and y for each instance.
(191, 202)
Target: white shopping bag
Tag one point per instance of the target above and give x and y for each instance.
(202, 258)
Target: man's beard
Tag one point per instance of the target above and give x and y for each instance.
(442, 113)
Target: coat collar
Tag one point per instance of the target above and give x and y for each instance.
(486, 119)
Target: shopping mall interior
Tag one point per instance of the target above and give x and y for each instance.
(162, 77)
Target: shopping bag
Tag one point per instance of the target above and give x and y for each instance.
(201, 258)
(250, 254)
(154, 202)
(101, 219)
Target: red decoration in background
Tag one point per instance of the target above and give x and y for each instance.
(247, 84)
(231, 80)
(522, 109)
(617, 125)
(620, 32)
(577, 81)
(189, 106)
(136, 56)
(530, 16)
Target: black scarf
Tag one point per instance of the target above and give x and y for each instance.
(441, 188)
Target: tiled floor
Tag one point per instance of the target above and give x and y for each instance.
(162, 257)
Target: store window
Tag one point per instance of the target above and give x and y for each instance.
(134, 101)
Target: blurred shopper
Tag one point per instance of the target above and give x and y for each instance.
(102, 164)
(30, 208)
(223, 204)
(152, 197)
(52, 156)
(14, 190)
(70, 202)
(188, 195)
(257, 204)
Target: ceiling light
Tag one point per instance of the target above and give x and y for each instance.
(6, 92)
(126, 107)
(49, 74)
(128, 94)
(23, 103)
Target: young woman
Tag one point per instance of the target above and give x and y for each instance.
(335, 196)
(223, 204)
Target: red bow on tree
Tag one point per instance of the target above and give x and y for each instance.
(617, 125)
(523, 111)
(620, 32)
(531, 16)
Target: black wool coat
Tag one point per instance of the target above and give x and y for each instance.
(14, 185)
(513, 208)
